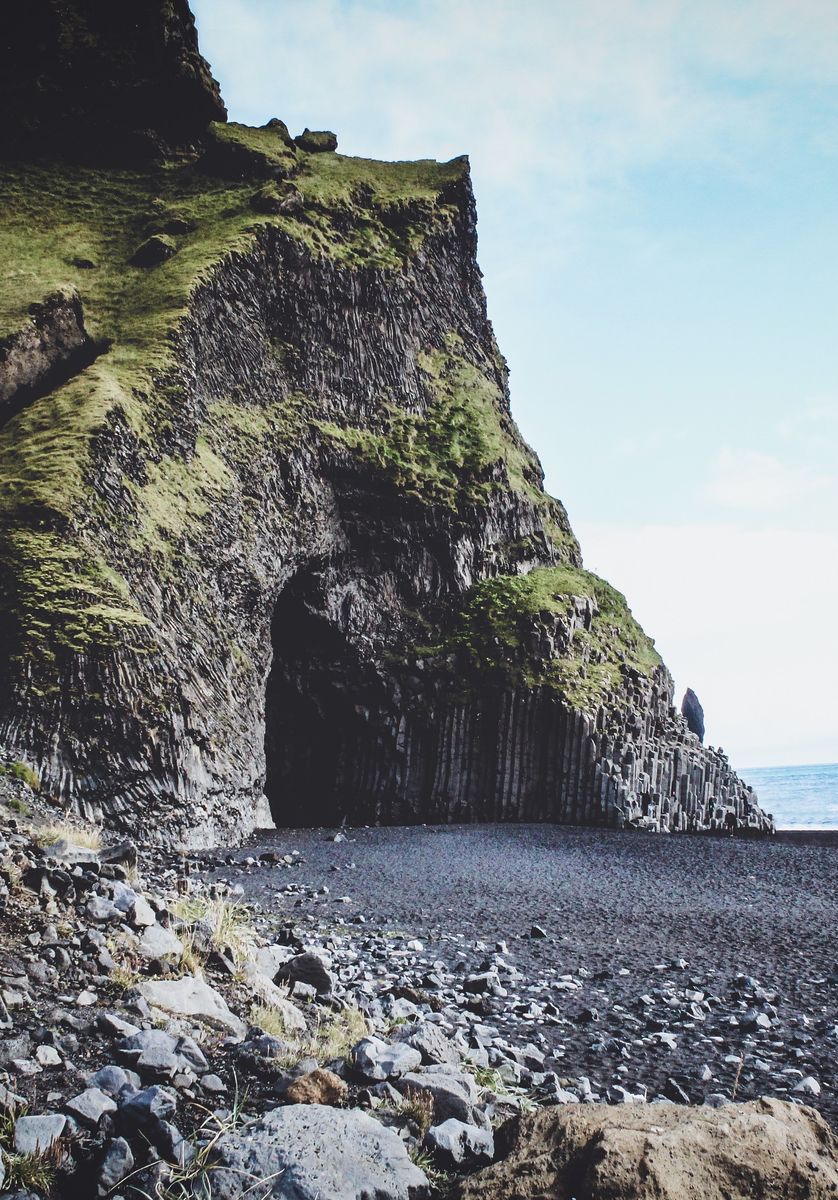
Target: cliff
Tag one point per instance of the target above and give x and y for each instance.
(266, 521)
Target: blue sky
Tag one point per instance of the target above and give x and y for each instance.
(656, 184)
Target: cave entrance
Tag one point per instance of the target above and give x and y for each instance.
(315, 727)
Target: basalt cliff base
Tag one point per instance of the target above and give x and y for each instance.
(267, 527)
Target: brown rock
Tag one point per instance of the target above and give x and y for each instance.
(318, 1087)
(767, 1148)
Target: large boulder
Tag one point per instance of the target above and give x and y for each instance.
(313, 1152)
(767, 1148)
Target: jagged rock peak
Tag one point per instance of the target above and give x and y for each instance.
(84, 74)
(693, 713)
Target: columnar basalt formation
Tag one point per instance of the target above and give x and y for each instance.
(284, 533)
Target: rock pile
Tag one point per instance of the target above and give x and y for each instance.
(157, 1038)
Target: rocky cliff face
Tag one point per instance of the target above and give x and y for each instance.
(280, 532)
(102, 78)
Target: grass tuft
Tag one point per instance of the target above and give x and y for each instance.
(24, 774)
(230, 925)
(76, 835)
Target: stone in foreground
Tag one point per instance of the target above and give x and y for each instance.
(767, 1148)
(311, 1152)
(191, 997)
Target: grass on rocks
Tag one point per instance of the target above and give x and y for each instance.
(229, 925)
(333, 1036)
(22, 772)
(418, 1108)
(77, 835)
(495, 625)
(270, 1019)
(25, 1172)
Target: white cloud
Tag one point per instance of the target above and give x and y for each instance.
(746, 618)
(749, 479)
(547, 90)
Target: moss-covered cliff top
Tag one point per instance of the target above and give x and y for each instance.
(68, 226)
(508, 624)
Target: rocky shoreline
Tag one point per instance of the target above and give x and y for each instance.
(162, 1038)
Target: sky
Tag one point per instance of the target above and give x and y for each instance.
(656, 189)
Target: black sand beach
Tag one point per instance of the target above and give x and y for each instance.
(638, 924)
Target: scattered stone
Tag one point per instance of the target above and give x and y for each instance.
(316, 141)
(154, 251)
(157, 942)
(379, 1060)
(117, 1162)
(306, 968)
(808, 1086)
(90, 1106)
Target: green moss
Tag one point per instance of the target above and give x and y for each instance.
(59, 219)
(463, 447)
(179, 493)
(249, 151)
(493, 634)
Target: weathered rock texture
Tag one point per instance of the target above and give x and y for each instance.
(86, 74)
(693, 713)
(51, 346)
(285, 532)
(767, 1148)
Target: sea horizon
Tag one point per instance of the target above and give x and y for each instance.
(802, 796)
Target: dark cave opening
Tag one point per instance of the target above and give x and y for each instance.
(315, 725)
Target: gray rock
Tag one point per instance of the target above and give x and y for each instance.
(454, 1093)
(36, 1135)
(192, 997)
(808, 1086)
(117, 1162)
(157, 942)
(456, 1144)
(153, 1052)
(89, 1106)
(99, 908)
(379, 1060)
(112, 1080)
(306, 968)
(430, 1041)
(67, 852)
(151, 1104)
(313, 1152)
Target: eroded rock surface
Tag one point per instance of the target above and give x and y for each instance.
(286, 538)
(766, 1148)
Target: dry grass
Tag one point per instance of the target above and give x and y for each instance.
(418, 1108)
(230, 925)
(270, 1019)
(439, 1180)
(78, 835)
(333, 1037)
(193, 1180)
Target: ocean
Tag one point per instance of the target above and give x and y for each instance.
(799, 797)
